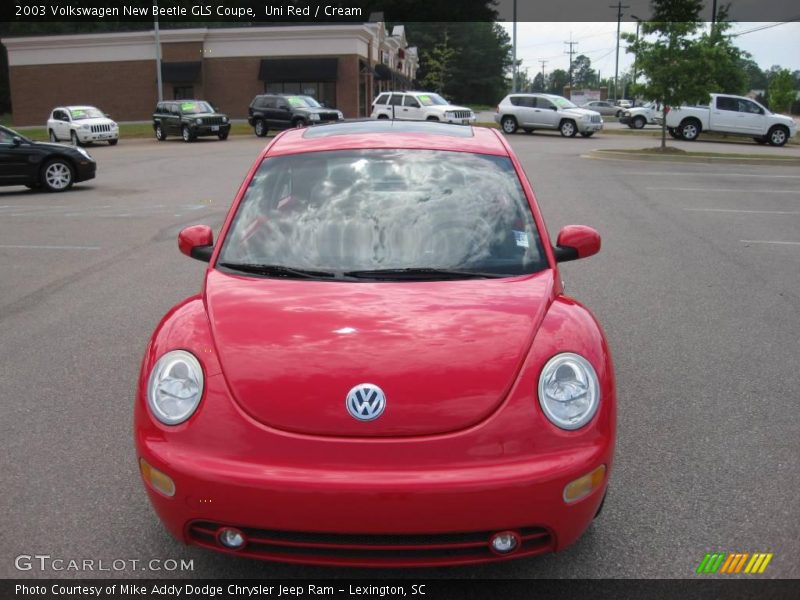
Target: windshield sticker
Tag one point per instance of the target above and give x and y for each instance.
(294, 101)
(521, 237)
(78, 113)
(186, 106)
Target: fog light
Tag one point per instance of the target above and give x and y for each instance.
(583, 486)
(159, 481)
(505, 542)
(232, 538)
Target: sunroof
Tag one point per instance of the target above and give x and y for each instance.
(387, 126)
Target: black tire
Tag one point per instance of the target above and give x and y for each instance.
(383, 117)
(73, 138)
(112, 142)
(509, 124)
(161, 135)
(778, 135)
(260, 128)
(223, 135)
(674, 133)
(690, 129)
(57, 175)
(528, 130)
(619, 114)
(187, 134)
(587, 134)
(600, 508)
(299, 123)
(761, 140)
(53, 137)
(568, 128)
(433, 119)
(639, 122)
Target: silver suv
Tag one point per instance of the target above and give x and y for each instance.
(546, 111)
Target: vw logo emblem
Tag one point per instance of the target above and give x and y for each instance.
(365, 402)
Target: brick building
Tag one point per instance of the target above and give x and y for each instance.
(342, 65)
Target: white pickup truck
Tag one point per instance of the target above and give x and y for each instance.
(639, 116)
(732, 115)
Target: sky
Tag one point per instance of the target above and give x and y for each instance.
(778, 45)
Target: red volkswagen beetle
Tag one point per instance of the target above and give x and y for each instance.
(382, 368)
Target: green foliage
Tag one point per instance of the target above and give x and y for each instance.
(438, 62)
(582, 73)
(781, 91)
(557, 80)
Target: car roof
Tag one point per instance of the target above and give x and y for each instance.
(384, 133)
(75, 107)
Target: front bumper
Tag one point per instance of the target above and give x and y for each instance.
(85, 170)
(101, 136)
(458, 121)
(625, 119)
(205, 130)
(591, 126)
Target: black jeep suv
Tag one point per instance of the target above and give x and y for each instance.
(189, 119)
(281, 111)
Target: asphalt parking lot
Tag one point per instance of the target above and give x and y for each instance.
(696, 286)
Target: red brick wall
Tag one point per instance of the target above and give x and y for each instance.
(347, 86)
(125, 90)
(231, 83)
(182, 51)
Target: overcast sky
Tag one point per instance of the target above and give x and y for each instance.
(778, 45)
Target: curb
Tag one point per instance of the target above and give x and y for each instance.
(730, 160)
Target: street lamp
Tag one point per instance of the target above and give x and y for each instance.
(636, 54)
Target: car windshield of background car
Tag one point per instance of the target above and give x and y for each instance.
(383, 209)
(431, 100)
(196, 108)
(311, 102)
(562, 102)
(85, 113)
(298, 102)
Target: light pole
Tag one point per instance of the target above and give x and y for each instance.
(158, 54)
(514, 59)
(636, 54)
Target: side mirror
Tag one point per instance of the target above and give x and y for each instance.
(16, 141)
(283, 107)
(197, 242)
(576, 241)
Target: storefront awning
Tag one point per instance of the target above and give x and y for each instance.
(298, 69)
(180, 72)
(383, 72)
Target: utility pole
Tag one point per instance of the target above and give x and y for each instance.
(544, 62)
(636, 54)
(158, 55)
(514, 76)
(619, 8)
(570, 43)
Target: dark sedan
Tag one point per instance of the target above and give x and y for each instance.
(40, 165)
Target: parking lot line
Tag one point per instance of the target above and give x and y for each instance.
(739, 191)
(34, 247)
(770, 242)
(705, 174)
(755, 212)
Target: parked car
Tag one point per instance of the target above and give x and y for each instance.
(41, 165)
(382, 325)
(604, 108)
(639, 116)
(623, 103)
(735, 115)
(282, 111)
(419, 106)
(546, 111)
(189, 119)
(81, 125)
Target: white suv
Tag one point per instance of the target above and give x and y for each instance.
(546, 111)
(419, 106)
(81, 124)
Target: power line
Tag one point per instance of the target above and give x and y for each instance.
(762, 27)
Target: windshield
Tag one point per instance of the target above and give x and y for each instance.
(196, 108)
(85, 113)
(301, 102)
(365, 210)
(311, 102)
(431, 100)
(561, 102)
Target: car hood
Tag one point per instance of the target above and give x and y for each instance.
(63, 147)
(317, 110)
(447, 108)
(445, 353)
(580, 112)
(95, 121)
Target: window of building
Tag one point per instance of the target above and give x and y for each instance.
(183, 92)
(323, 92)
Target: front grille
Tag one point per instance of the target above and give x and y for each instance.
(596, 118)
(100, 128)
(328, 116)
(212, 121)
(371, 549)
(461, 114)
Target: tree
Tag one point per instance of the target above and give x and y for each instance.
(538, 83)
(672, 61)
(781, 91)
(582, 73)
(438, 62)
(756, 78)
(557, 81)
(722, 61)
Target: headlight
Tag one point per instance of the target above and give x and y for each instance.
(224, 119)
(569, 392)
(114, 125)
(175, 387)
(86, 126)
(339, 114)
(199, 121)
(84, 152)
(626, 114)
(313, 117)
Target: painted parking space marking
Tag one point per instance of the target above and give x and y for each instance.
(717, 190)
(746, 212)
(37, 247)
(770, 242)
(706, 174)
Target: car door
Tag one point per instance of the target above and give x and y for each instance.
(546, 114)
(18, 163)
(62, 124)
(411, 109)
(751, 118)
(396, 106)
(281, 115)
(725, 115)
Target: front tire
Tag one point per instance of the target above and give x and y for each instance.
(223, 135)
(568, 128)
(160, 134)
(73, 138)
(674, 133)
(509, 125)
(778, 135)
(689, 130)
(761, 140)
(639, 122)
(433, 119)
(53, 137)
(383, 117)
(57, 175)
(260, 128)
(587, 134)
(112, 142)
(187, 135)
(299, 123)
(528, 130)
(619, 114)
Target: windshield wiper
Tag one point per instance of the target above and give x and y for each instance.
(421, 273)
(277, 271)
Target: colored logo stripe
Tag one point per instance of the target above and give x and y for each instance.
(732, 563)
